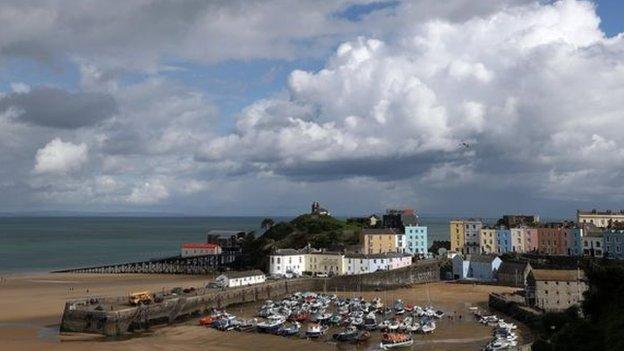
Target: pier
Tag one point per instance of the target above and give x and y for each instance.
(168, 265)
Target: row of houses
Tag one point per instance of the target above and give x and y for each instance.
(546, 289)
(472, 236)
(307, 260)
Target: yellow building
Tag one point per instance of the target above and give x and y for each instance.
(457, 235)
(487, 240)
(328, 262)
(376, 241)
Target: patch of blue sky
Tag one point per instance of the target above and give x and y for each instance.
(62, 74)
(611, 14)
(233, 85)
(356, 12)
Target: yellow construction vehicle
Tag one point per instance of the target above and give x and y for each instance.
(143, 297)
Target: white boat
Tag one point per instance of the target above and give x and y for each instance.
(315, 330)
(271, 325)
(395, 341)
(428, 327)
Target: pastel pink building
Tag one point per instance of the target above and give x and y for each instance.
(531, 240)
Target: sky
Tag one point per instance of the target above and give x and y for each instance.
(454, 108)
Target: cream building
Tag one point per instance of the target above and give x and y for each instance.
(327, 262)
(555, 290)
(600, 219)
(382, 240)
(487, 239)
(518, 239)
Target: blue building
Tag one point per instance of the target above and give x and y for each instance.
(574, 241)
(503, 240)
(416, 240)
(614, 243)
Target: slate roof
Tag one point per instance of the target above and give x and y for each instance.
(240, 274)
(556, 274)
(379, 231)
(512, 267)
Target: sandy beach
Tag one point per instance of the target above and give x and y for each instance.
(31, 307)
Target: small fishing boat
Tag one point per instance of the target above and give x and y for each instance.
(245, 325)
(349, 334)
(395, 340)
(370, 322)
(335, 319)
(438, 314)
(428, 328)
(398, 307)
(289, 329)
(271, 325)
(206, 321)
(377, 304)
(315, 330)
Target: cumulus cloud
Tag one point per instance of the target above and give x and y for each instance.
(60, 157)
(440, 105)
(490, 94)
(58, 108)
(123, 35)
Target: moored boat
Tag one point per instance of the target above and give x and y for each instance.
(315, 330)
(395, 340)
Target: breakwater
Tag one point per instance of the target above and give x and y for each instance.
(114, 316)
(169, 265)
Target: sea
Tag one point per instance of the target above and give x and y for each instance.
(44, 244)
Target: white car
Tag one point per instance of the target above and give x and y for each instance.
(321, 275)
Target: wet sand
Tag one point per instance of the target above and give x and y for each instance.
(31, 307)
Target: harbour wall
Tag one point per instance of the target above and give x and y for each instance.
(424, 271)
(113, 316)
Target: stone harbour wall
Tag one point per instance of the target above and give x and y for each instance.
(113, 316)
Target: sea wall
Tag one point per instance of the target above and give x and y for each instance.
(513, 306)
(113, 316)
(117, 318)
(420, 272)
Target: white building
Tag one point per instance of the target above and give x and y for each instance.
(287, 261)
(400, 242)
(200, 249)
(356, 263)
(234, 279)
(477, 267)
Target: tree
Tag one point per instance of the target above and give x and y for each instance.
(267, 223)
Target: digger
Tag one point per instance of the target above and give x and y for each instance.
(143, 297)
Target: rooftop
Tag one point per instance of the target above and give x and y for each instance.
(379, 231)
(508, 267)
(239, 274)
(557, 274)
(601, 213)
(199, 246)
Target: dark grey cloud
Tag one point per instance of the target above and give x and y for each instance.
(58, 108)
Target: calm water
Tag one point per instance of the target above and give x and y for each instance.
(29, 244)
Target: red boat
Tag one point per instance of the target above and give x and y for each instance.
(206, 321)
(301, 317)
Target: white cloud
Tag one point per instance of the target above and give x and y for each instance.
(60, 157)
(149, 192)
(534, 86)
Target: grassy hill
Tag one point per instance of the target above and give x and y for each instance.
(322, 232)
